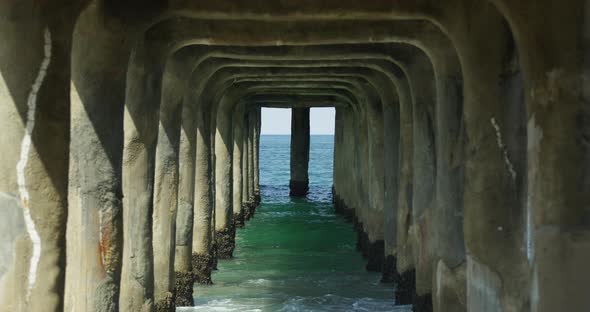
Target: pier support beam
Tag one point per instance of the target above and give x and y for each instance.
(202, 259)
(224, 226)
(257, 156)
(299, 184)
(237, 172)
(95, 214)
(185, 213)
(142, 105)
(246, 205)
(35, 123)
(252, 116)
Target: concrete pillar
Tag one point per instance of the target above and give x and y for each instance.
(237, 165)
(202, 259)
(246, 204)
(391, 156)
(449, 246)
(345, 153)
(257, 156)
(404, 245)
(557, 96)
(421, 79)
(363, 184)
(185, 214)
(299, 183)
(212, 133)
(251, 138)
(224, 228)
(35, 122)
(337, 173)
(166, 187)
(144, 83)
(495, 165)
(376, 183)
(95, 216)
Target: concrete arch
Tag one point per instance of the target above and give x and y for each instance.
(458, 40)
(351, 205)
(443, 119)
(486, 121)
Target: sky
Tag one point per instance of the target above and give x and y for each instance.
(278, 120)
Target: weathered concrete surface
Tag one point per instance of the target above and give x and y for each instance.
(34, 109)
(470, 178)
(224, 227)
(166, 189)
(95, 216)
(252, 114)
(203, 206)
(299, 183)
(448, 289)
(185, 214)
(257, 129)
(183, 289)
(144, 78)
(247, 206)
(238, 170)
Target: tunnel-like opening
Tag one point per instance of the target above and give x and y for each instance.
(131, 147)
(296, 252)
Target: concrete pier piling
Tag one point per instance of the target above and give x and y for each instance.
(131, 137)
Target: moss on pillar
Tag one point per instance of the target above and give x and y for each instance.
(226, 242)
(202, 266)
(239, 220)
(249, 209)
(166, 304)
(183, 288)
(257, 197)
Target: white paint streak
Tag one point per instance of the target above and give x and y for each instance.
(503, 148)
(22, 163)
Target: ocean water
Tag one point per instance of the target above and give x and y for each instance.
(295, 254)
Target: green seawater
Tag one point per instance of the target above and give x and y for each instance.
(295, 254)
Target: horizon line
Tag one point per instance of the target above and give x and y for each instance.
(290, 134)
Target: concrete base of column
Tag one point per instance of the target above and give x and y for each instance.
(342, 209)
(214, 257)
(166, 304)
(374, 252)
(390, 274)
(184, 289)
(449, 291)
(257, 198)
(202, 267)
(226, 242)
(422, 303)
(239, 220)
(298, 188)
(254, 204)
(405, 289)
(405, 293)
(249, 209)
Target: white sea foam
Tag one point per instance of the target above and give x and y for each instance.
(260, 281)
